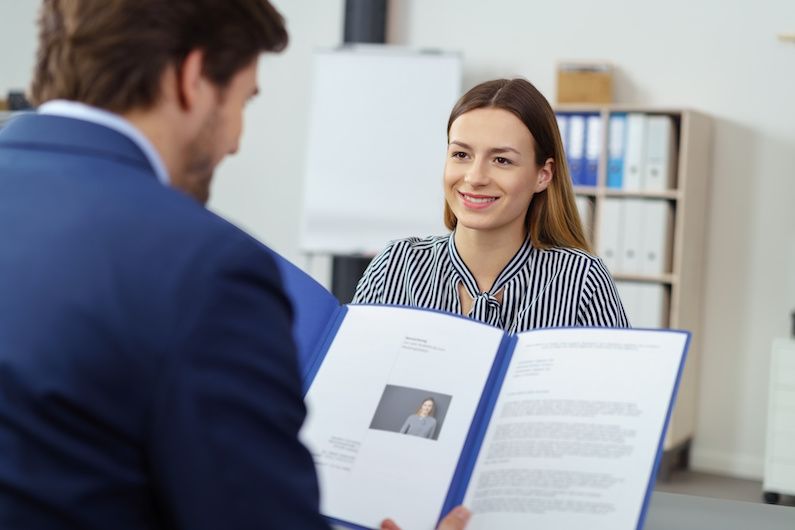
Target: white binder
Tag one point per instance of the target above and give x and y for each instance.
(656, 241)
(628, 292)
(660, 165)
(632, 240)
(646, 304)
(635, 152)
(653, 306)
(609, 244)
(585, 209)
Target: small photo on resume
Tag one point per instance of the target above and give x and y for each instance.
(411, 411)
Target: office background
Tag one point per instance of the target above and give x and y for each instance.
(721, 58)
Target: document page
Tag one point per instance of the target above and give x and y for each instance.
(575, 431)
(389, 411)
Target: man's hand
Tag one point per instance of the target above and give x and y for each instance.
(457, 519)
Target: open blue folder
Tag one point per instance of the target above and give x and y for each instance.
(313, 308)
(529, 408)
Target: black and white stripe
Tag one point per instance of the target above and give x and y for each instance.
(557, 287)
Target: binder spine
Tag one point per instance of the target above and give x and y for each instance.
(610, 237)
(635, 152)
(328, 336)
(593, 141)
(563, 128)
(477, 431)
(660, 154)
(615, 151)
(576, 148)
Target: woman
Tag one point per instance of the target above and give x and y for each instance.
(422, 422)
(517, 257)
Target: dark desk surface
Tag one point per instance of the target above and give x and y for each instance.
(669, 511)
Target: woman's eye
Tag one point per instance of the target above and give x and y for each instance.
(501, 160)
(459, 154)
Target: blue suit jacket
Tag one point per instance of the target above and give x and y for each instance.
(147, 371)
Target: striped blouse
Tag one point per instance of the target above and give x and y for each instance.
(557, 287)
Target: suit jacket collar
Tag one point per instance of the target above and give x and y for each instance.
(61, 134)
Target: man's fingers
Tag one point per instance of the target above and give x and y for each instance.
(457, 519)
(389, 524)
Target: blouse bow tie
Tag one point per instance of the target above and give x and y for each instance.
(486, 308)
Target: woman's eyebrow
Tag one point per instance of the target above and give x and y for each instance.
(493, 150)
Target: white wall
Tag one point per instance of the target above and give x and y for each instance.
(260, 188)
(719, 57)
(17, 44)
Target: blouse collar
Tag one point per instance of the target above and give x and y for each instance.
(516, 263)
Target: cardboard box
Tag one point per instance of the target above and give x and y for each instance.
(585, 83)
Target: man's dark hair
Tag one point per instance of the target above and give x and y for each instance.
(111, 54)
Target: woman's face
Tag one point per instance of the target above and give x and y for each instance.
(491, 175)
(426, 408)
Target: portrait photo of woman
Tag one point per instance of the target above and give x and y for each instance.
(423, 422)
(419, 412)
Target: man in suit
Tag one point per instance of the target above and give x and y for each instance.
(147, 372)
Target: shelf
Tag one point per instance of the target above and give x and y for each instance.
(590, 191)
(669, 279)
(668, 194)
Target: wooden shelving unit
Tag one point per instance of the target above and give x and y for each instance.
(684, 281)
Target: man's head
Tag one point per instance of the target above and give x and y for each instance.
(180, 70)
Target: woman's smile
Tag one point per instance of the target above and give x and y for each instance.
(476, 201)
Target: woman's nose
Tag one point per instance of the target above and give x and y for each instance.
(476, 175)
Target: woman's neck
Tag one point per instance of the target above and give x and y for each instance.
(486, 253)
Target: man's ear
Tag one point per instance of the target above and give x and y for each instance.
(545, 174)
(190, 81)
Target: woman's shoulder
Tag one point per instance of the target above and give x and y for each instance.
(420, 243)
(568, 253)
(391, 265)
(416, 245)
(575, 259)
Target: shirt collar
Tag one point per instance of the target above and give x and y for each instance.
(81, 111)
